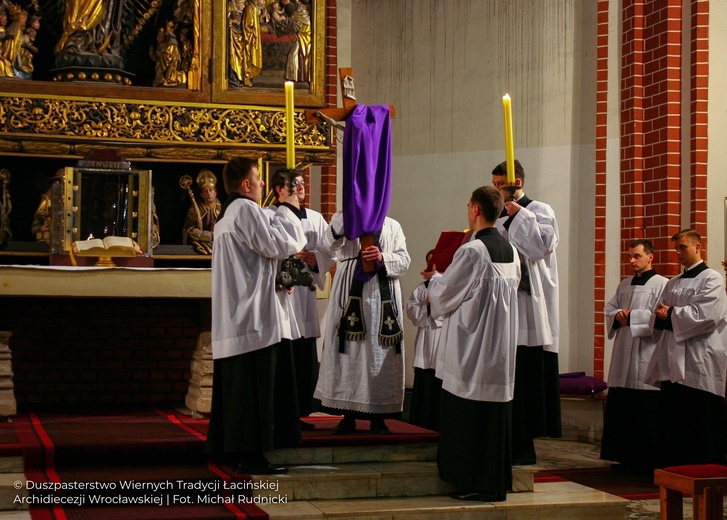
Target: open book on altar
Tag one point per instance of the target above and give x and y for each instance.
(109, 246)
(448, 243)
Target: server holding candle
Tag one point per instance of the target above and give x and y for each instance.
(531, 227)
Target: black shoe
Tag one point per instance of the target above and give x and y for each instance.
(474, 496)
(379, 427)
(344, 427)
(306, 426)
(261, 468)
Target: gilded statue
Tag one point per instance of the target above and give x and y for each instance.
(18, 42)
(199, 224)
(155, 233)
(91, 27)
(246, 51)
(40, 228)
(297, 66)
(95, 34)
(24, 61)
(169, 68)
(6, 207)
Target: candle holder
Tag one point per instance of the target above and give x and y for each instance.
(511, 189)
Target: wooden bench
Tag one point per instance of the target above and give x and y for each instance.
(707, 483)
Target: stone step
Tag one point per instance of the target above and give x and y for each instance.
(12, 491)
(371, 480)
(349, 454)
(549, 501)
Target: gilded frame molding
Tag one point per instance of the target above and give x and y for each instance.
(63, 126)
(313, 97)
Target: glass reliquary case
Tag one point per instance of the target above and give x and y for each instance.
(101, 198)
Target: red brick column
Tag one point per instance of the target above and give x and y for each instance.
(651, 129)
(663, 128)
(633, 126)
(329, 173)
(699, 76)
(600, 182)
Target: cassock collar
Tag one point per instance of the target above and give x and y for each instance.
(300, 212)
(489, 231)
(695, 270)
(643, 278)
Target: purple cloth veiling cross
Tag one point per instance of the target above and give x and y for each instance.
(366, 170)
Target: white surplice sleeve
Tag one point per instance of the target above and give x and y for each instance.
(534, 234)
(416, 306)
(276, 236)
(612, 308)
(701, 313)
(450, 289)
(393, 250)
(325, 257)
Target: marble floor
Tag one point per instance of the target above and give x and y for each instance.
(559, 454)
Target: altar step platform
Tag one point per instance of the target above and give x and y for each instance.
(352, 476)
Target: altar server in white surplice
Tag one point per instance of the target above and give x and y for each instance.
(304, 306)
(531, 227)
(364, 378)
(424, 409)
(252, 330)
(631, 423)
(477, 297)
(690, 359)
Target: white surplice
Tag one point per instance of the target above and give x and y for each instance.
(247, 314)
(534, 233)
(694, 354)
(302, 301)
(477, 299)
(366, 377)
(428, 329)
(635, 343)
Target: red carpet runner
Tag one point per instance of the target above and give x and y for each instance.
(150, 464)
(142, 465)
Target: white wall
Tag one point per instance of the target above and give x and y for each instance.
(445, 66)
(717, 160)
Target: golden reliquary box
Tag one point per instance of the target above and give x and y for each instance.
(102, 196)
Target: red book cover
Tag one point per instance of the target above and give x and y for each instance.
(448, 243)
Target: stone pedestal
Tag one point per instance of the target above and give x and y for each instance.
(199, 393)
(8, 406)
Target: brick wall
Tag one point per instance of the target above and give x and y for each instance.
(699, 76)
(329, 173)
(652, 132)
(93, 350)
(600, 184)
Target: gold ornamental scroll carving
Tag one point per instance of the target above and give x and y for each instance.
(150, 126)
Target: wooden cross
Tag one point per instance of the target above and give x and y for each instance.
(349, 102)
(332, 116)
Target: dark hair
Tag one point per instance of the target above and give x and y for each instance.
(490, 201)
(236, 171)
(501, 169)
(283, 177)
(690, 233)
(648, 246)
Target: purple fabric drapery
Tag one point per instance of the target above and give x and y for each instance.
(366, 170)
